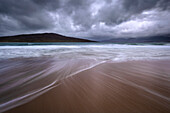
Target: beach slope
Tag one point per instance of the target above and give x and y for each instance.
(126, 87)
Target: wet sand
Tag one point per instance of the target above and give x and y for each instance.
(127, 87)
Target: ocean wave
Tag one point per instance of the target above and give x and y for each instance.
(90, 51)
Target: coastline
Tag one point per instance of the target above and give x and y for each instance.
(131, 86)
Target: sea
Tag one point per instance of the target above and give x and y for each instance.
(98, 51)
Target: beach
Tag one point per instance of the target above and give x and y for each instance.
(84, 78)
(124, 87)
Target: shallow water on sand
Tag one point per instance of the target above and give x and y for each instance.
(21, 79)
(27, 72)
(80, 86)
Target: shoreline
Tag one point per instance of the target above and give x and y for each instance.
(132, 86)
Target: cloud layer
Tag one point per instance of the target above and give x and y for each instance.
(97, 19)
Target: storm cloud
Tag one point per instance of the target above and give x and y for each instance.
(96, 19)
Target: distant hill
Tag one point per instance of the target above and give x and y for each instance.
(45, 37)
(152, 39)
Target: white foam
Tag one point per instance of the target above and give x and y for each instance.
(98, 51)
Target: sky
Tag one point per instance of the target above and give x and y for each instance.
(92, 19)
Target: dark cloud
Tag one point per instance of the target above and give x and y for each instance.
(86, 18)
(136, 6)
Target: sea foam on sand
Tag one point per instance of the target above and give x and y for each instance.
(106, 87)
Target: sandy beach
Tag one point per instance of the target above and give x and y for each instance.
(125, 87)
